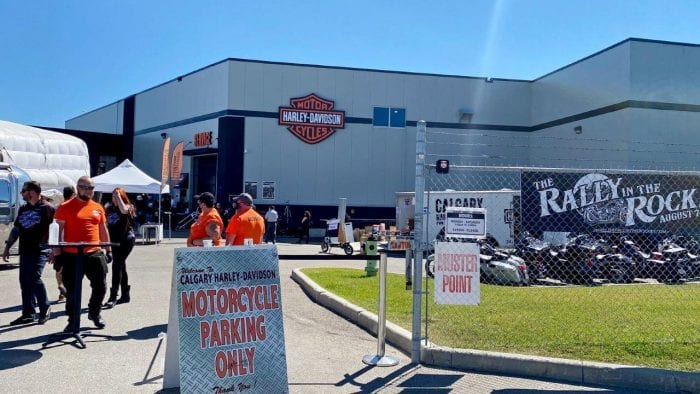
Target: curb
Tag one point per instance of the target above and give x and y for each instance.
(574, 371)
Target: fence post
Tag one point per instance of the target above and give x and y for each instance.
(418, 228)
(380, 359)
(409, 268)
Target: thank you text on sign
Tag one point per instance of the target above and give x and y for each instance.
(457, 273)
(230, 320)
(465, 222)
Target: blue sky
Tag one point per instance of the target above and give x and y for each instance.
(63, 58)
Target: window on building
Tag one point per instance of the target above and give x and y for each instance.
(397, 117)
(389, 117)
(381, 117)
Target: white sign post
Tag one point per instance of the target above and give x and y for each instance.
(457, 273)
(465, 222)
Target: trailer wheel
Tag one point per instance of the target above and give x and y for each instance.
(348, 249)
(325, 247)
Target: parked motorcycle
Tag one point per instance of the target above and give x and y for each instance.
(574, 262)
(692, 247)
(536, 254)
(666, 265)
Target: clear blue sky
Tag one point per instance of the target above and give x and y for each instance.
(59, 59)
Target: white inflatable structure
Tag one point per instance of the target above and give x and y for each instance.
(53, 159)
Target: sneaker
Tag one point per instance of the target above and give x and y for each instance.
(44, 316)
(24, 319)
(98, 320)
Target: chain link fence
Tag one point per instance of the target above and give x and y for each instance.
(585, 263)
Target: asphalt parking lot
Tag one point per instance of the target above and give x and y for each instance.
(324, 351)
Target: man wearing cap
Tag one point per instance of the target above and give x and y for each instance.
(32, 229)
(208, 225)
(246, 223)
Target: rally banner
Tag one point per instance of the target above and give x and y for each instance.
(231, 334)
(609, 202)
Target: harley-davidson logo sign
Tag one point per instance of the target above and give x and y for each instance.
(311, 118)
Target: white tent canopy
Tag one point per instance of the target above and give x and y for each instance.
(129, 177)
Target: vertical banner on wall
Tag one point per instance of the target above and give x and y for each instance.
(176, 162)
(165, 164)
(228, 323)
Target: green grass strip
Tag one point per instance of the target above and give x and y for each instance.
(646, 325)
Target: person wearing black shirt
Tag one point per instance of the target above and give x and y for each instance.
(120, 214)
(32, 229)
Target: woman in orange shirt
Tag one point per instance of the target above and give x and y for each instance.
(208, 224)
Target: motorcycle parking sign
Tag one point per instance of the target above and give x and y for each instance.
(465, 222)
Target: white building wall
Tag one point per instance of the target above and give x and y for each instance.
(368, 164)
(196, 94)
(148, 147)
(595, 82)
(665, 73)
(108, 119)
(362, 163)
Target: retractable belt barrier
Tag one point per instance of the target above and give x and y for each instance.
(328, 257)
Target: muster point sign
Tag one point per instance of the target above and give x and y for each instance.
(457, 273)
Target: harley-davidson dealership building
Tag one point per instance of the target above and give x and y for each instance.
(303, 136)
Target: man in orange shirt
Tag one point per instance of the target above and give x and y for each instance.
(208, 224)
(83, 220)
(246, 223)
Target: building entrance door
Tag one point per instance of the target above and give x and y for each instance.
(203, 175)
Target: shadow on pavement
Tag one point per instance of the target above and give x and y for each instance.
(17, 357)
(434, 382)
(145, 333)
(376, 383)
(521, 391)
(16, 308)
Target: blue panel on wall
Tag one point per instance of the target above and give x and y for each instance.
(381, 117)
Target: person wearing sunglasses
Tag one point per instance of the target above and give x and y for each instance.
(32, 229)
(83, 220)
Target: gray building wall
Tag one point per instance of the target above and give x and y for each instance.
(611, 97)
(108, 119)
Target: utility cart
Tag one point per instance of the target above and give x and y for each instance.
(331, 238)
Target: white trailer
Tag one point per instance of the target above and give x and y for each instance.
(499, 205)
(53, 159)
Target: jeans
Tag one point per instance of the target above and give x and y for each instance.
(30, 268)
(271, 232)
(95, 268)
(120, 253)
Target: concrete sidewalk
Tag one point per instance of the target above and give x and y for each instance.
(324, 351)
